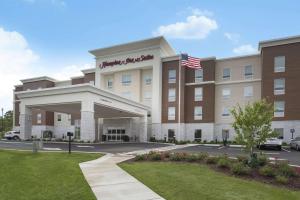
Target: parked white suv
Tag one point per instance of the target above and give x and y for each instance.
(15, 135)
(295, 143)
(271, 143)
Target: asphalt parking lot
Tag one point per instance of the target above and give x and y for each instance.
(286, 154)
(105, 148)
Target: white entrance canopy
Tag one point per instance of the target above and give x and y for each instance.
(84, 100)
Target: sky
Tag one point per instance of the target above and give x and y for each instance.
(52, 37)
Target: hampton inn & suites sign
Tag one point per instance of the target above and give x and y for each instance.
(126, 61)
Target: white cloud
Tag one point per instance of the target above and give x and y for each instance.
(244, 49)
(18, 61)
(196, 26)
(234, 37)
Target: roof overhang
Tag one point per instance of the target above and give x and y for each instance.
(279, 41)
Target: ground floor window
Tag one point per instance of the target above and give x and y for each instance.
(279, 131)
(171, 135)
(225, 134)
(198, 135)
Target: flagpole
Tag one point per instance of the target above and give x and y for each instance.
(179, 97)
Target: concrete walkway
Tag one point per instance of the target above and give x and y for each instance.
(109, 182)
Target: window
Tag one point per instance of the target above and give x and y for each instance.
(198, 113)
(225, 134)
(171, 134)
(248, 72)
(198, 75)
(172, 95)
(126, 79)
(39, 118)
(126, 95)
(171, 113)
(279, 131)
(248, 91)
(109, 83)
(279, 86)
(59, 117)
(226, 74)
(147, 95)
(148, 80)
(279, 109)
(198, 135)
(226, 93)
(279, 64)
(225, 112)
(198, 94)
(172, 76)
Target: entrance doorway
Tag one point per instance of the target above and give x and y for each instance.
(115, 134)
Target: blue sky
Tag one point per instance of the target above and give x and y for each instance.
(52, 37)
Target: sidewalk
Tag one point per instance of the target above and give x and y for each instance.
(109, 182)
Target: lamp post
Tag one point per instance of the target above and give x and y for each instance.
(2, 128)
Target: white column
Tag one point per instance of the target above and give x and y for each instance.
(87, 122)
(143, 129)
(25, 122)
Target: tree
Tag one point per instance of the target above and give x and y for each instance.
(7, 121)
(252, 123)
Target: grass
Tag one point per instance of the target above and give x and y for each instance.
(43, 176)
(181, 181)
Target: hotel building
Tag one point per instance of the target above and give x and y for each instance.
(139, 90)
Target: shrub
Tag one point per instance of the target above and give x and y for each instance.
(154, 156)
(243, 159)
(262, 160)
(202, 156)
(267, 170)
(178, 156)
(240, 169)
(165, 155)
(140, 157)
(211, 160)
(253, 162)
(223, 162)
(283, 169)
(192, 158)
(282, 179)
(152, 139)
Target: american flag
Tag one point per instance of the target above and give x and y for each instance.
(190, 62)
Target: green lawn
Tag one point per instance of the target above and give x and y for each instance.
(184, 181)
(41, 176)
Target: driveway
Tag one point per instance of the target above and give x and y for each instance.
(105, 148)
(287, 154)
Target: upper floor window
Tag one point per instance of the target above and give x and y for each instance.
(248, 91)
(279, 108)
(248, 72)
(198, 94)
(198, 75)
(147, 95)
(59, 117)
(226, 74)
(148, 80)
(198, 113)
(279, 86)
(226, 93)
(279, 64)
(126, 79)
(172, 95)
(225, 112)
(171, 113)
(39, 118)
(109, 83)
(172, 76)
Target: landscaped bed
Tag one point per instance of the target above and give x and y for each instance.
(198, 176)
(43, 176)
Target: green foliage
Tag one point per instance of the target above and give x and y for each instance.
(262, 160)
(267, 170)
(243, 159)
(178, 156)
(154, 156)
(240, 168)
(223, 162)
(202, 156)
(282, 179)
(7, 122)
(283, 169)
(140, 157)
(211, 160)
(192, 157)
(252, 123)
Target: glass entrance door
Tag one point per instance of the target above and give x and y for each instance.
(115, 134)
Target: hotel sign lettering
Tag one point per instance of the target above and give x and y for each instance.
(141, 58)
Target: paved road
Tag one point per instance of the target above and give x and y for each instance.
(107, 148)
(288, 154)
